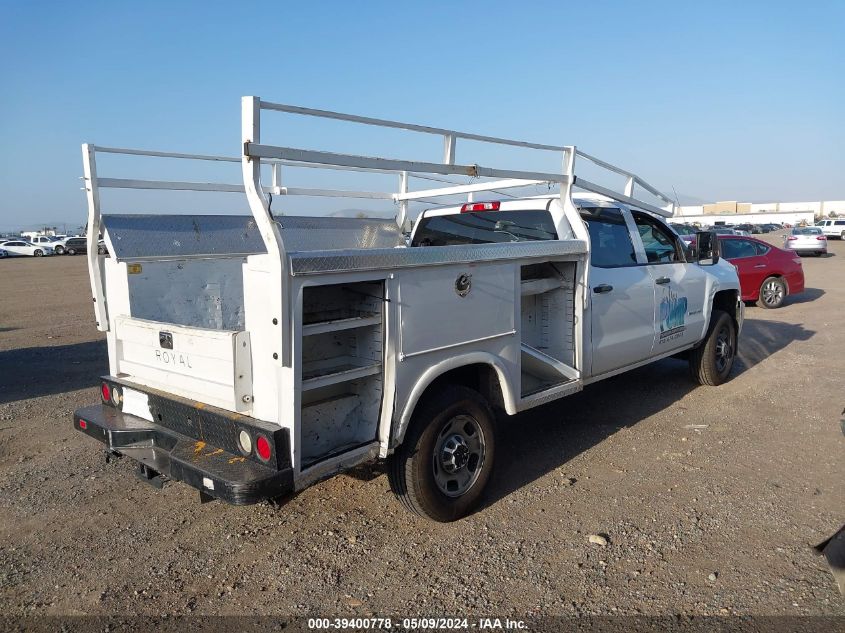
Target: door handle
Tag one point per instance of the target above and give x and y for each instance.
(661, 280)
(601, 288)
(760, 266)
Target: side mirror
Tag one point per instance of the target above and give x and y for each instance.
(706, 249)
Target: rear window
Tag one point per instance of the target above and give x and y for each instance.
(485, 227)
(807, 231)
(840, 223)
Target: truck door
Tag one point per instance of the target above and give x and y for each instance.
(621, 294)
(679, 287)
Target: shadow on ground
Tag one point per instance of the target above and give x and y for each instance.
(809, 294)
(41, 371)
(543, 439)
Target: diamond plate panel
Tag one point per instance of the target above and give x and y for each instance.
(329, 234)
(317, 262)
(162, 236)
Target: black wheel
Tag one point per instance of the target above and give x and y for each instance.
(101, 250)
(60, 250)
(442, 467)
(772, 293)
(711, 362)
(38, 252)
(71, 251)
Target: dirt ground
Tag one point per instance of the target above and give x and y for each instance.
(711, 498)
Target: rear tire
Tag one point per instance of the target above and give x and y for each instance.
(772, 293)
(38, 252)
(71, 251)
(711, 362)
(60, 250)
(444, 463)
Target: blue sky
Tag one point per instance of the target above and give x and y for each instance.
(733, 100)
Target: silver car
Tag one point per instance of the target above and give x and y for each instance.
(806, 239)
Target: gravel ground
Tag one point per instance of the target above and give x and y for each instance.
(707, 500)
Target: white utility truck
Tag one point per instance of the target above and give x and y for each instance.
(252, 356)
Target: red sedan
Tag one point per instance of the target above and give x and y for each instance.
(767, 274)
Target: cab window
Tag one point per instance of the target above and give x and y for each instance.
(485, 227)
(660, 245)
(610, 241)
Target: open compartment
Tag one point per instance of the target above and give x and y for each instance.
(547, 325)
(342, 367)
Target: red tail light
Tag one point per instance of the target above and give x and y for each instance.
(822, 238)
(790, 238)
(480, 206)
(262, 448)
(106, 392)
(83, 424)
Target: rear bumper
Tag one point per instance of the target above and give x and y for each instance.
(214, 471)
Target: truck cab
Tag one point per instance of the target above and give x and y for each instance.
(648, 299)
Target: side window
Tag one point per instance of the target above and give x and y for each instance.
(660, 245)
(840, 223)
(610, 241)
(737, 249)
(761, 248)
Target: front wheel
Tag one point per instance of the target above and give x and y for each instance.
(772, 293)
(60, 250)
(38, 252)
(443, 465)
(711, 362)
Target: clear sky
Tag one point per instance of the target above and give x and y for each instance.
(720, 100)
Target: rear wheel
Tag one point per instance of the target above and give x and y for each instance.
(772, 293)
(443, 465)
(71, 251)
(711, 362)
(60, 250)
(842, 235)
(38, 252)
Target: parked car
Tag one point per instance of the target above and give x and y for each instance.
(808, 239)
(57, 243)
(767, 274)
(721, 230)
(834, 228)
(76, 245)
(686, 232)
(21, 247)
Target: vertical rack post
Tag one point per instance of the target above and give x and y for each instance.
(403, 204)
(280, 343)
(95, 273)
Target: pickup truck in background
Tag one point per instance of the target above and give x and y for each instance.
(252, 356)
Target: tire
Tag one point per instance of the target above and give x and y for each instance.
(71, 251)
(60, 250)
(38, 252)
(101, 250)
(772, 293)
(842, 235)
(453, 429)
(711, 362)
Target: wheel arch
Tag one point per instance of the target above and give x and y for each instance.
(481, 371)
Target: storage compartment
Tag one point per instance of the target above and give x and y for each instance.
(548, 325)
(342, 368)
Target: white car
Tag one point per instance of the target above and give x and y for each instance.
(20, 247)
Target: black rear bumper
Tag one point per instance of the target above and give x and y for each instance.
(214, 471)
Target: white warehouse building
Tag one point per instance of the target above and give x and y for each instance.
(733, 212)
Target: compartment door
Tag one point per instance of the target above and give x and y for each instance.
(210, 366)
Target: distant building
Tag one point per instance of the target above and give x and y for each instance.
(734, 212)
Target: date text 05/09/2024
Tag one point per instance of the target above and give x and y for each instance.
(375, 623)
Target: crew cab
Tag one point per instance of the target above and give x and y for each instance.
(252, 356)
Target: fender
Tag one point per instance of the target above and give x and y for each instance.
(435, 371)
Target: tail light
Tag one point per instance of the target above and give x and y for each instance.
(105, 390)
(83, 424)
(791, 238)
(262, 448)
(822, 238)
(480, 206)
